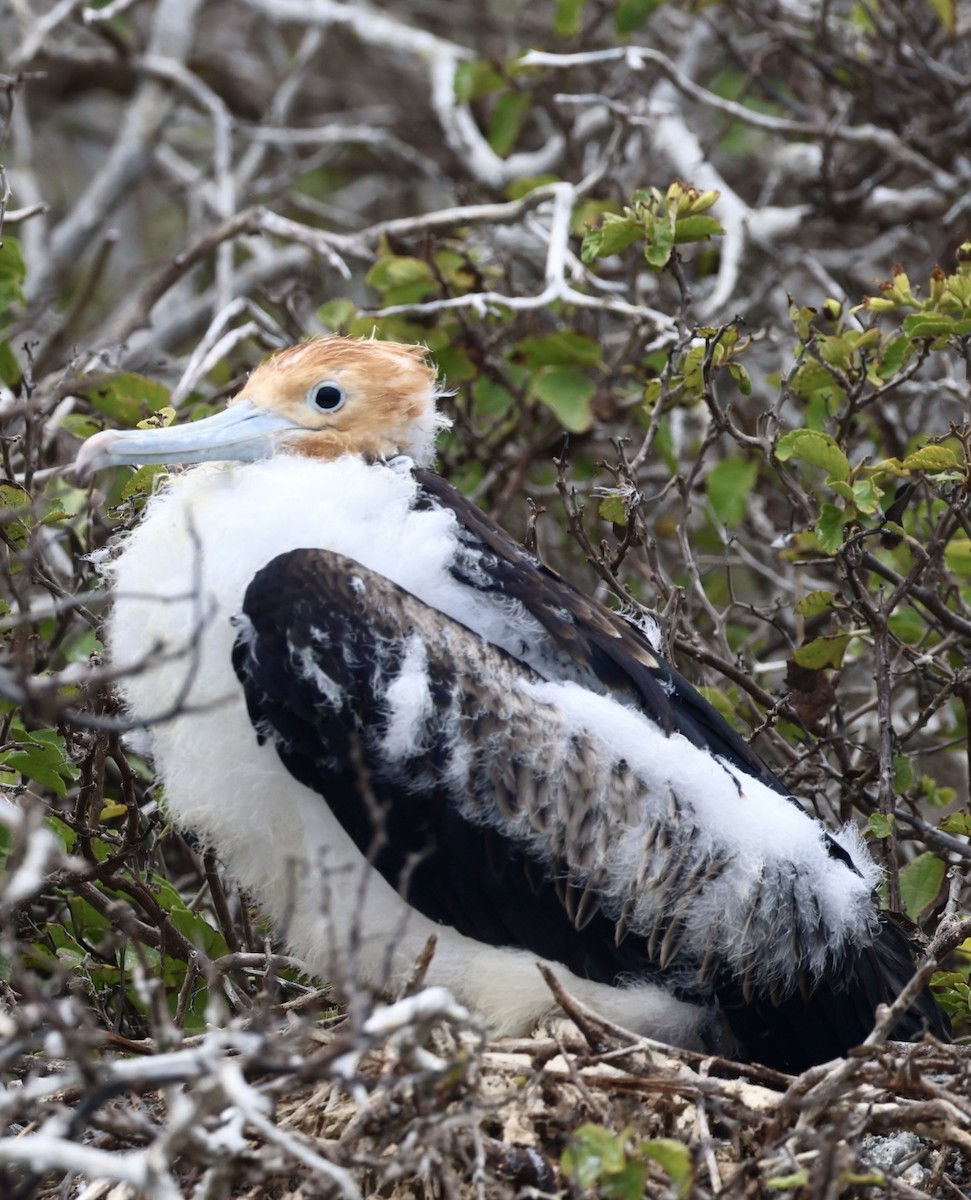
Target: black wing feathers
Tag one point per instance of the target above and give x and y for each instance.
(597, 639)
(451, 870)
(795, 1033)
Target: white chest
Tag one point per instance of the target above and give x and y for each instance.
(183, 572)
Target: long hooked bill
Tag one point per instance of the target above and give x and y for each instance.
(241, 433)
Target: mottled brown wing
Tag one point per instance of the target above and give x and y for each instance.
(596, 639)
(472, 797)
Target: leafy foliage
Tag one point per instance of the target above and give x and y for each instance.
(644, 259)
(601, 1160)
(678, 217)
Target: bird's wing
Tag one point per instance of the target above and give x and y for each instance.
(802, 1030)
(463, 779)
(455, 783)
(597, 641)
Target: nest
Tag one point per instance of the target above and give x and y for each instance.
(412, 1100)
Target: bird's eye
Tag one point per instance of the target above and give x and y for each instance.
(326, 397)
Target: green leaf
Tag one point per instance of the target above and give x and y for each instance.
(54, 515)
(10, 372)
(720, 701)
(49, 737)
(456, 269)
(741, 377)
(929, 325)
(843, 490)
(12, 271)
(674, 1158)
(615, 234)
(566, 17)
(788, 1183)
(337, 313)
(68, 951)
(80, 426)
(907, 624)
(16, 515)
(627, 1183)
(522, 185)
(802, 319)
(126, 398)
(402, 279)
(63, 832)
(696, 229)
(931, 458)
(162, 418)
(867, 495)
(814, 603)
(836, 351)
(37, 764)
(190, 924)
(819, 449)
(506, 121)
(565, 348)
(959, 823)
(814, 383)
(42, 757)
(874, 1178)
(652, 393)
(920, 883)
(456, 364)
(593, 1152)
(822, 652)
(613, 509)
(660, 239)
(946, 12)
(567, 394)
(903, 773)
(142, 482)
(889, 466)
(491, 398)
(880, 826)
(476, 79)
(894, 355)
(931, 793)
(630, 15)
(87, 922)
(728, 485)
(829, 528)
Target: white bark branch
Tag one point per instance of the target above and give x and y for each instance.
(172, 38)
(866, 134)
(440, 58)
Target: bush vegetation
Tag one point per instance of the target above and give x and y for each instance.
(700, 278)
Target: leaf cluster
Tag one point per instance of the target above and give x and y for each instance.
(677, 217)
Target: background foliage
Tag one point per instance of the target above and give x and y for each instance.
(725, 248)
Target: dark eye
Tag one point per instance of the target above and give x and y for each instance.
(326, 397)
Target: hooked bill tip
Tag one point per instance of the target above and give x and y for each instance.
(94, 454)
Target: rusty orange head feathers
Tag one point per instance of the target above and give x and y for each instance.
(324, 398)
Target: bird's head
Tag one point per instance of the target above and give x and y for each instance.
(324, 398)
